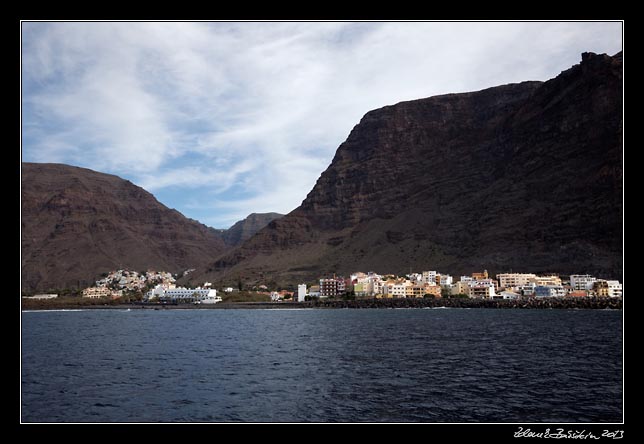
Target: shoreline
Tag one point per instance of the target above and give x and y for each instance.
(545, 303)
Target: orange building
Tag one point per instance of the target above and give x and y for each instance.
(433, 289)
(479, 276)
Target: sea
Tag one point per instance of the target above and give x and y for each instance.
(322, 365)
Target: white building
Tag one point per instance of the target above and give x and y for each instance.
(301, 292)
(527, 290)
(514, 280)
(481, 288)
(210, 298)
(396, 290)
(582, 281)
(366, 284)
(614, 289)
(182, 294)
(445, 280)
(429, 277)
(508, 295)
(155, 293)
(416, 277)
(378, 287)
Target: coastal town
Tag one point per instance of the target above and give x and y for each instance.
(160, 287)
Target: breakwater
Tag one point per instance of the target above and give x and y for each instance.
(536, 303)
(533, 303)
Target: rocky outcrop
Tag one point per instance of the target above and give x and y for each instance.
(524, 177)
(246, 228)
(77, 223)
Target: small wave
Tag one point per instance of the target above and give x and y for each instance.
(279, 309)
(100, 404)
(182, 402)
(57, 309)
(69, 309)
(69, 364)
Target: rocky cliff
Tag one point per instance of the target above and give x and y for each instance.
(246, 228)
(77, 223)
(523, 177)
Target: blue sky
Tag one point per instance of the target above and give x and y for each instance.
(220, 120)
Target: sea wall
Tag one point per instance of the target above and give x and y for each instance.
(565, 303)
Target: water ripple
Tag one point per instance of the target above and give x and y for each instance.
(322, 366)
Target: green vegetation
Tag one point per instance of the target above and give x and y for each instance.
(131, 296)
(428, 296)
(457, 296)
(61, 292)
(244, 296)
(349, 296)
(67, 301)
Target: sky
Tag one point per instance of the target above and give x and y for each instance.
(222, 119)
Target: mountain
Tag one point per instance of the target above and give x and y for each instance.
(77, 223)
(524, 177)
(246, 228)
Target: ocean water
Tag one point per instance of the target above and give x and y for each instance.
(408, 365)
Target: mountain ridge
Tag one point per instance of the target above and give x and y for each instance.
(244, 229)
(526, 176)
(77, 223)
(420, 183)
(51, 207)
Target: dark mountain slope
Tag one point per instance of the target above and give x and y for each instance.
(525, 177)
(244, 229)
(78, 223)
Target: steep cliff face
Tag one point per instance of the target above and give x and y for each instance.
(77, 223)
(246, 228)
(525, 176)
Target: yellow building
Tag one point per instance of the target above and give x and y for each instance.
(605, 288)
(97, 292)
(545, 280)
(461, 287)
(479, 276)
(418, 290)
(433, 290)
(101, 292)
(514, 280)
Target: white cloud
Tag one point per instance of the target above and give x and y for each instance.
(190, 177)
(256, 110)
